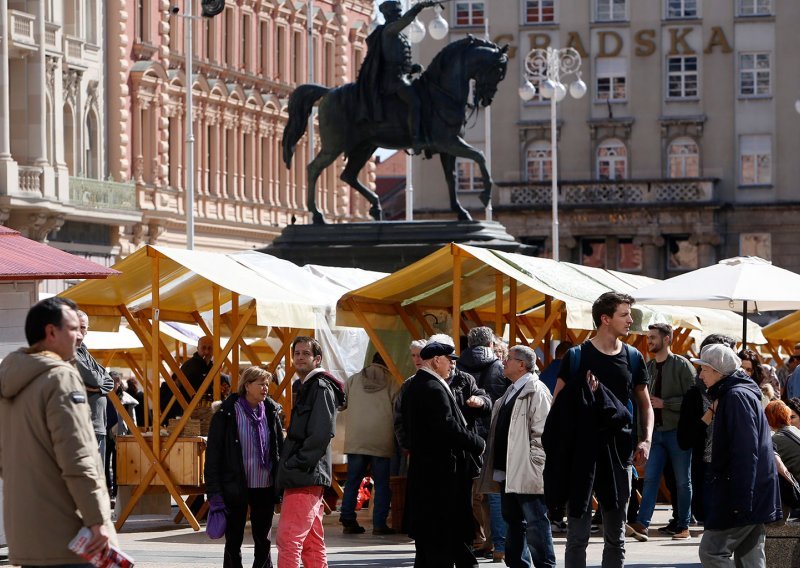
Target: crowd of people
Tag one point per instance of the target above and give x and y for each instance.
(498, 455)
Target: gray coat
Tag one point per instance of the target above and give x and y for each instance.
(94, 376)
(306, 457)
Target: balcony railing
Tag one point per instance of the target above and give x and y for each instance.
(23, 29)
(99, 194)
(599, 192)
(30, 179)
(52, 37)
(73, 49)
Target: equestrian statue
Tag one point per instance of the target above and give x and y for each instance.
(395, 104)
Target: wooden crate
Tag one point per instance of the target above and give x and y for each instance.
(184, 462)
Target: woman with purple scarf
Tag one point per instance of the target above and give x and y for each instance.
(244, 443)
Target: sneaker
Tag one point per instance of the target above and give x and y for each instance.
(351, 526)
(638, 531)
(498, 557)
(682, 534)
(670, 529)
(383, 530)
(558, 527)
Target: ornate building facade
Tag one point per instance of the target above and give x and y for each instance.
(246, 62)
(682, 152)
(53, 170)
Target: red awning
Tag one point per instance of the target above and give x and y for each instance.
(24, 259)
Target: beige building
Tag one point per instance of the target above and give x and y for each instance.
(246, 60)
(53, 174)
(683, 150)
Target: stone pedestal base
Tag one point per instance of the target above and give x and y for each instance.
(782, 546)
(386, 246)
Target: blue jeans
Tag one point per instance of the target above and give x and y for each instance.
(64, 566)
(665, 443)
(528, 528)
(499, 526)
(356, 470)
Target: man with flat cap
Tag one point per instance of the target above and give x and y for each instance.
(441, 448)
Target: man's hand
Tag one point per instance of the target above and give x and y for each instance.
(99, 542)
(474, 402)
(642, 453)
(592, 381)
(657, 402)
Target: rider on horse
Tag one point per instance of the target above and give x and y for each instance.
(388, 67)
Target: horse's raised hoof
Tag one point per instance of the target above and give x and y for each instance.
(486, 198)
(376, 212)
(318, 219)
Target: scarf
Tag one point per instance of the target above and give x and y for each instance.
(258, 420)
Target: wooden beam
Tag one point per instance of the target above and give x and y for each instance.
(546, 326)
(512, 312)
(234, 318)
(407, 321)
(155, 361)
(473, 315)
(216, 307)
(456, 327)
(546, 348)
(499, 320)
(376, 340)
(426, 326)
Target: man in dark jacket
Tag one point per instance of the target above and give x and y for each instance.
(480, 361)
(742, 484)
(98, 384)
(439, 477)
(304, 470)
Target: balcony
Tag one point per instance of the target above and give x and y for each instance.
(99, 194)
(23, 33)
(598, 192)
(52, 38)
(74, 52)
(31, 180)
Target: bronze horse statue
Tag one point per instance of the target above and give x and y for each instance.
(444, 90)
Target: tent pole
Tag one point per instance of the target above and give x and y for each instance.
(498, 304)
(744, 324)
(512, 312)
(457, 301)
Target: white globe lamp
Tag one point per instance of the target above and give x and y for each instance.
(416, 32)
(527, 91)
(438, 27)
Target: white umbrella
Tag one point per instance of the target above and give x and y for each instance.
(744, 284)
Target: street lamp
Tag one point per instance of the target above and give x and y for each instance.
(548, 66)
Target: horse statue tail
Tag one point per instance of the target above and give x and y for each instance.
(301, 102)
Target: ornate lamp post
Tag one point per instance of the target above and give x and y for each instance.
(548, 66)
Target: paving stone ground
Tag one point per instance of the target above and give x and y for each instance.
(155, 542)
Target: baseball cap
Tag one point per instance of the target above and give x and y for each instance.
(434, 348)
(719, 357)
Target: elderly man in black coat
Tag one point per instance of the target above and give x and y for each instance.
(442, 451)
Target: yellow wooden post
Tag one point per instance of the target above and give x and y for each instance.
(155, 359)
(217, 335)
(235, 352)
(456, 299)
(512, 312)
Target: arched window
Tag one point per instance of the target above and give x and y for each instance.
(539, 161)
(612, 160)
(683, 157)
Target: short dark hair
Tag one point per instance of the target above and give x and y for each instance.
(718, 339)
(44, 313)
(794, 404)
(481, 336)
(663, 328)
(562, 348)
(607, 304)
(316, 348)
(378, 359)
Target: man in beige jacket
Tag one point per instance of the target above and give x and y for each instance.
(514, 461)
(53, 482)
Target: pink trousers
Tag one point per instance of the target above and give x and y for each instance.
(300, 533)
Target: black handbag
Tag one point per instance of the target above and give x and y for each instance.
(790, 491)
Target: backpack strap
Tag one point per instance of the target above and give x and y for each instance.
(574, 358)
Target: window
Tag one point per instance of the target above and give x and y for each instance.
(682, 77)
(539, 162)
(468, 175)
(629, 256)
(610, 79)
(263, 49)
(280, 54)
(612, 160)
(593, 253)
(469, 13)
(755, 160)
(683, 159)
(755, 7)
(681, 254)
(245, 50)
(611, 10)
(754, 74)
(540, 11)
(681, 9)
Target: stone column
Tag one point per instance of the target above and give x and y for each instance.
(9, 175)
(652, 261)
(37, 88)
(706, 244)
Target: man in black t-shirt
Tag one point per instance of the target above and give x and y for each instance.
(619, 368)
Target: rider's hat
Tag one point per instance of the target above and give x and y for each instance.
(388, 4)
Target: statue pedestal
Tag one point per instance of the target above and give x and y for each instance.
(386, 246)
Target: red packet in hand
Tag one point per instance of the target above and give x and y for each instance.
(113, 557)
